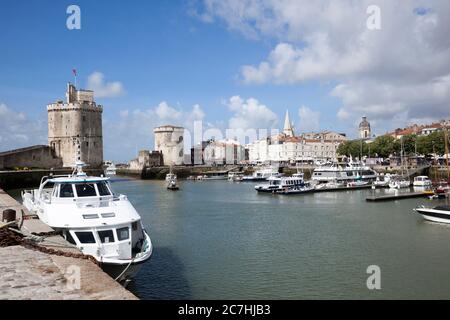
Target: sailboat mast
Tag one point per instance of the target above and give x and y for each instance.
(446, 149)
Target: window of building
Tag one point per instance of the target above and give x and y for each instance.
(85, 190)
(106, 236)
(85, 237)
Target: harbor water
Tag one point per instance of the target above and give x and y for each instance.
(222, 240)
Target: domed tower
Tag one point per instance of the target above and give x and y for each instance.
(364, 129)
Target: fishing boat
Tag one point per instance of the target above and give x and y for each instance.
(437, 214)
(94, 219)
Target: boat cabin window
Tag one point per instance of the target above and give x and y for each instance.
(85, 189)
(106, 236)
(103, 189)
(123, 234)
(85, 237)
(66, 190)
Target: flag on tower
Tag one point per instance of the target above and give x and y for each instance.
(74, 71)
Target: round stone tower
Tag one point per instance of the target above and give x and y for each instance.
(75, 128)
(169, 141)
(364, 129)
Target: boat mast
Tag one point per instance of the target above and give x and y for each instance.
(446, 149)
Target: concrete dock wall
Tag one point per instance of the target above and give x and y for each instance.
(28, 273)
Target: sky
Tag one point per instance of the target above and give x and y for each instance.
(230, 64)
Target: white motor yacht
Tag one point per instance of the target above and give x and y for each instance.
(94, 219)
(278, 184)
(422, 181)
(347, 173)
(263, 174)
(399, 183)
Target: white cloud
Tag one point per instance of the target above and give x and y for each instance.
(309, 119)
(17, 131)
(250, 114)
(402, 69)
(102, 89)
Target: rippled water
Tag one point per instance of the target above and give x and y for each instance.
(222, 240)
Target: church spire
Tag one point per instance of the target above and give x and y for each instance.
(288, 130)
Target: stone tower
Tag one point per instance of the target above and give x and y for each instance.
(75, 128)
(288, 129)
(364, 129)
(169, 141)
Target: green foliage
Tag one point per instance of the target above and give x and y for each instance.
(384, 146)
(353, 148)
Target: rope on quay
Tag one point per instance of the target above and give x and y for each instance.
(11, 237)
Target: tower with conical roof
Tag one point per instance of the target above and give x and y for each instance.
(288, 129)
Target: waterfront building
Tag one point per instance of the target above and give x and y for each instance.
(146, 159)
(169, 141)
(288, 148)
(224, 152)
(75, 128)
(421, 130)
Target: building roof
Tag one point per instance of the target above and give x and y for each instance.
(41, 146)
(364, 123)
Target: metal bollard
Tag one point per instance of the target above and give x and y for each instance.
(9, 215)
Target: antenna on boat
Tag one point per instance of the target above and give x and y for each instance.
(78, 170)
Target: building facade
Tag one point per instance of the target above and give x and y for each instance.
(169, 141)
(224, 152)
(75, 128)
(146, 159)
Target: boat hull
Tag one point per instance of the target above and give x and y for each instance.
(434, 215)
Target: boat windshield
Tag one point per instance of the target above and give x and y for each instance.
(84, 189)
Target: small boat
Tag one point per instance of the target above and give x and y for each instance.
(441, 190)
(399, 183)
(306, 188)
(235, 176)
(277, 184)
(110, 168)
(382, 181)
(263, 174)
(171, 180)
(172, 185)
(437, 214)
(422, 181)
(94, 219)
(357, 183)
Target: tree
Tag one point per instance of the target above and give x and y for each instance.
(353, 148)
(384, 146)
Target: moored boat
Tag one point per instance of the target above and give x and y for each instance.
(94, 219)
(422, 181)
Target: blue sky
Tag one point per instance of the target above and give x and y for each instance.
(160, 51)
